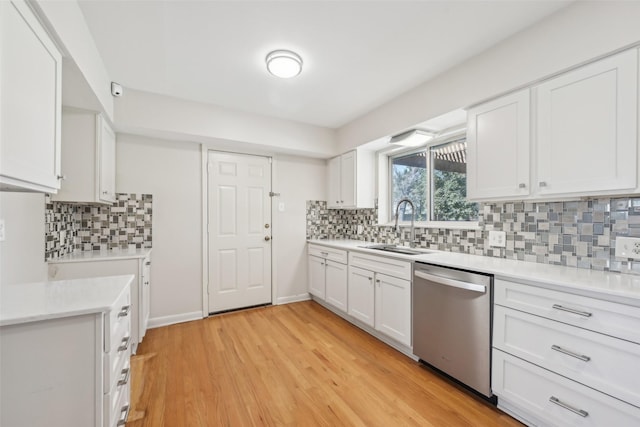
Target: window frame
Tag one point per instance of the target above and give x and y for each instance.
(388, 217)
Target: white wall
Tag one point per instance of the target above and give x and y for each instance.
(153, 115)
(578, 33)
(297, 179)
(171, 172)
(22, 252)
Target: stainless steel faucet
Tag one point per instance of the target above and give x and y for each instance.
(412, 242)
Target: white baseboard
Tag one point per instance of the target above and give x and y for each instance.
(157, 322)
(293, 298)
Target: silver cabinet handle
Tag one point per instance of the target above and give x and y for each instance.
(542, 184)
(561, 404)
(147, 263)
(127, 373)
(570, 353)
(324, 253)
(123, 419)
(522, 185)
(125, 344)
(124, 311)
(267, 238)
(61, 177)
(450, 282)
(571, 310)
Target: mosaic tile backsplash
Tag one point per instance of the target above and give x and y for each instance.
(577, 233)
(71, 227)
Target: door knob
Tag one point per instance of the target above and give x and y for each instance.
(267, 238)
(266, 226)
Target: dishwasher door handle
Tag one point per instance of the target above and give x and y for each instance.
(451, 282)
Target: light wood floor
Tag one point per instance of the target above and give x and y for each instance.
(291, 365)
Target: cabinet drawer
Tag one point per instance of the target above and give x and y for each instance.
(389, 266)
(618, 320)
(325, 252)
(113, 360)
(532, 389)
(116, 320)
(116, 407)
(116, 368)
(595, 360)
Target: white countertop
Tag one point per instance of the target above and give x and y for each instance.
(30, 302)
(617, 287)
(110, 255)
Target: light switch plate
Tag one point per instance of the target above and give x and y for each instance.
(627, 247)
(498, 238)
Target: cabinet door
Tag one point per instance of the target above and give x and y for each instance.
(586, 128)
(393, 308)
(336, 284)
(498, 140)
(334, 183)
(106, 162)
(361, 295)
(316, 276)
(348, 180)
(30, 102)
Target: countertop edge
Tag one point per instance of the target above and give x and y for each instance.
(59, 314)
(92, 256)
(564, 278)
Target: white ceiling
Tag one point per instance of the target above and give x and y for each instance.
(357, 54)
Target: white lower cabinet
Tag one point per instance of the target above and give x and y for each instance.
(328, 276)
(393, 308)
(379, 299)
(564, 359)
(543, 398)
(362, 295)
(67, 371)
(140, 287)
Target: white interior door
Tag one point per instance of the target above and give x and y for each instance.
(239, 216)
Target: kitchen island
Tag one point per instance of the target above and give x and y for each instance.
(64, 352)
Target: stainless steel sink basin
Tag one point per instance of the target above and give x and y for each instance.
(397, 249)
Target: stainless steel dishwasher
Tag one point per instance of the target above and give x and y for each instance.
(452, 323)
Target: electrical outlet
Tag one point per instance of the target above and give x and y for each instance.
(1, 230)
(498, 238)
(627, 247)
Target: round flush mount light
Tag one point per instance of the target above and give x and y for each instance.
(284, 63)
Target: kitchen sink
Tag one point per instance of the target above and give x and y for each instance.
(397, 249)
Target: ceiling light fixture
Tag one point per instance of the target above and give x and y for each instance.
(284, 63)
(411, 138)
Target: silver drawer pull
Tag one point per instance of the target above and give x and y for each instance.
(127, 373)
(572, 310)
(570, 353)
(125, 344)
(123, 419)
(561, 404)
(124, 311)
(147, 263)
(324, 253)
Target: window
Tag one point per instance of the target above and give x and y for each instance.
(435, 180)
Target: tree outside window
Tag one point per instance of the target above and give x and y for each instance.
(435, 180)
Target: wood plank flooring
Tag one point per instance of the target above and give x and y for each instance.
(291, 365)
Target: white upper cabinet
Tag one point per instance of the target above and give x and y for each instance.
(579, 139)
(498, 148)
(30, 102)
(88, 158)
(586, 128)
(351, 179)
